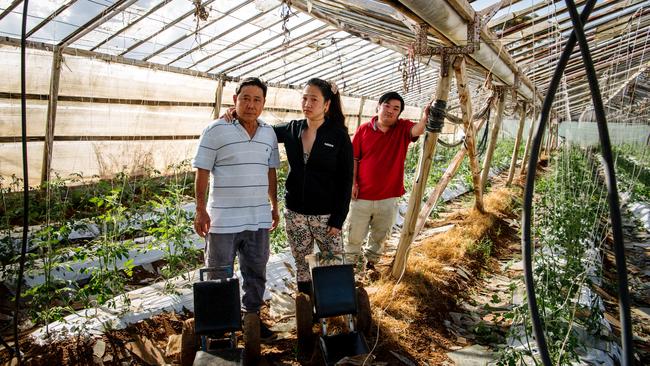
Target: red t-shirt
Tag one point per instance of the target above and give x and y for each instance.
(381, 156)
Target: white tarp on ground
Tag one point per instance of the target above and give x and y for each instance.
(146, 302)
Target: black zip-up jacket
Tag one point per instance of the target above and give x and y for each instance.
(323, 186)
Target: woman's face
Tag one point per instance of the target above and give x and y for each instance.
(314, 105)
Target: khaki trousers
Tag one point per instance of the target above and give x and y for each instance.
(376, 217)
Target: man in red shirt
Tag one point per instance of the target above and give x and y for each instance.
(380, 148)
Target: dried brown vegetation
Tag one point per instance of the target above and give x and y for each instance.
(410, 313)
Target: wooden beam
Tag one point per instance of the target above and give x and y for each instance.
(96, 21)
(218, 97)
(55, 77)
(131, 24)
(10, 8)
(87, 138)
(515, 150)
(194, 31)
(449, 174)
(415, 199)
(362, 103)
(496, 126)
(535, 115)
(164, 28)
(460, 70)
(43, 22)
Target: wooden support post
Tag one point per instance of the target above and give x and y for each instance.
(524, 159)
(515, 150)
(450, 173)
(547, 136)
(415, 199)
(48, 144)
(466, 108)
(494, 135)
(218, 97)
(362, 103)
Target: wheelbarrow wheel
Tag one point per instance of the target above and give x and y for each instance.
(304, 316)
(252, 349)
(189, 343)
(364, 314)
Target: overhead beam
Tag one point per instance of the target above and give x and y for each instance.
(281, 51)
(450, 17)
(277, 36)
(214, 38)
(10, 8)
(195, 31)
(58, 11)
(164, 28)
(96, 21)
(128, 26)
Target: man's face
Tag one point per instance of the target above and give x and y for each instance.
(388, 111)
(249, 103)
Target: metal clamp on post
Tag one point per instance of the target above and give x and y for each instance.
(436, 118)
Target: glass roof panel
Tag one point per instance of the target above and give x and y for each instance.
(68, 21)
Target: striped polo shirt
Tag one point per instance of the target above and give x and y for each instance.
(239, 166)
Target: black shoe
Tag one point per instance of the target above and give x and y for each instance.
(266, 334)
(305, 288)
(370, 266)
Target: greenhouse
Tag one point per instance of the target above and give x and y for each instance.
(488, 205)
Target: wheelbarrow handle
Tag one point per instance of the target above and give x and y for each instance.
(227, 269)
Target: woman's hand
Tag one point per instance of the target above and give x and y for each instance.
(230, 114)
(332, 231)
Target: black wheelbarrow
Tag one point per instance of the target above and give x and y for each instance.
(217, 322)
(335, 294)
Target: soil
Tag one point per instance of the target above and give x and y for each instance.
(426, 341)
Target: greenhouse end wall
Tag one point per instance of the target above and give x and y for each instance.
(113, 117)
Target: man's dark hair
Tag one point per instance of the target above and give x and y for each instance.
(250, 81)
(390, 96)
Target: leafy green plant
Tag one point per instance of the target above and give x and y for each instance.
(278, 237)
(569, 216)
(171, 229)
(481, 250)
(107, 279)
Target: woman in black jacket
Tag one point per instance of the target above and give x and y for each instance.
(319, 183)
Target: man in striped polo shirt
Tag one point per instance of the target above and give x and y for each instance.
(239, 160)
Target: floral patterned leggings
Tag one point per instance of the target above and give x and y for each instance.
(302, 232)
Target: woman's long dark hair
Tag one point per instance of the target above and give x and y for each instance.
(335, 111)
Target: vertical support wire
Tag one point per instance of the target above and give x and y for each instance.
(612, 192)
(526, 245)
(23, 248)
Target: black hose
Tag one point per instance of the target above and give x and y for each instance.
(23, 249)
(612, 190)
(450, 145)
(526, 246)
(480, 150)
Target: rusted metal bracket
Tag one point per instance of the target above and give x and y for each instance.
(422, 48)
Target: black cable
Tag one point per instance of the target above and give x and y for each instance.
(482, 145)
(612, 190)
(450, 145)
(526, 245)
(23, 249)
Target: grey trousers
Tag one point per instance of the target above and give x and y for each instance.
(253, 250)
